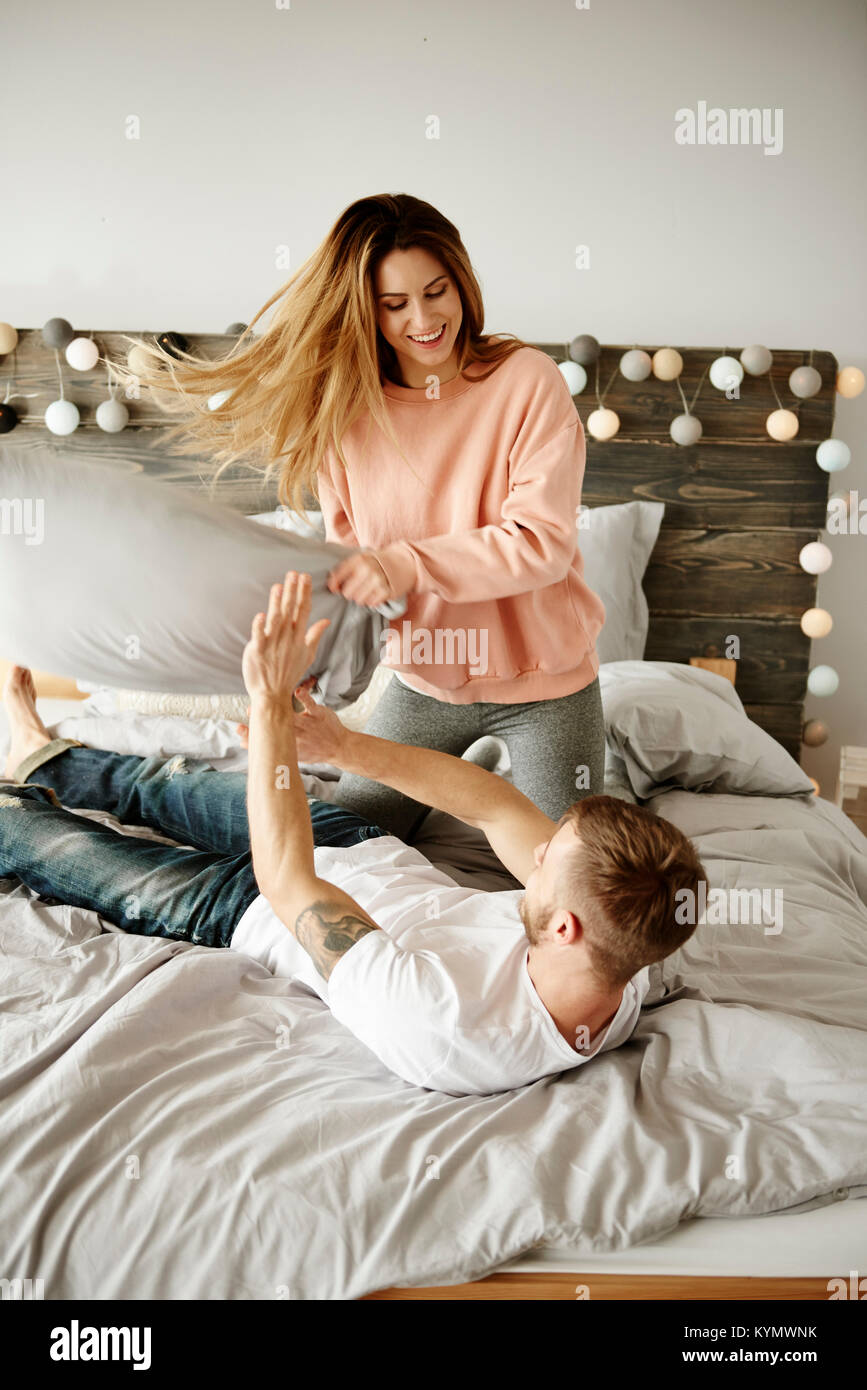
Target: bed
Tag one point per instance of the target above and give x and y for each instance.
(178, 1124)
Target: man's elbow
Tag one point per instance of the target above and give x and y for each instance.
(291, 899)
(288, 889)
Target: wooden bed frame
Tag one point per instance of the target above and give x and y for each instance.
(605, 1288)
(738, 508)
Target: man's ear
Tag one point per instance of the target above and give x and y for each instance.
(570, 929)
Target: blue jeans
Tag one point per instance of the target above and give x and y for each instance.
(196, 895)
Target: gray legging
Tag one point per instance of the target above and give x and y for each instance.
(549, 742)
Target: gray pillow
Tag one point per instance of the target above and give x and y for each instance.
(676, 725)
(616, 543)
(121, 581)
(617, 781)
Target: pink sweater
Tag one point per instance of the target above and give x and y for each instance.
(483, 538)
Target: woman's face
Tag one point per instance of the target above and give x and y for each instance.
(416, 297)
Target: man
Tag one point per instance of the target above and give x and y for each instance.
(439, 981)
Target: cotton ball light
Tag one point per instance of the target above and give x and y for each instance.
(757, 359)
(140, 361)
(816, 622)
(8, 418)
(112, 416)
(850, 382)
(219, 398)
(725, 372)
(62, 417)
(8, 338)
(173, 343)
(57, 333)
(685, 429)
(584, 349)
(805, 382)
(667, 364)
(603, 424)
(833, 454)
(82, 354)
(782, 424)
(636, 365)
(823, 681)
(815, 558)
(815, 733)
(574, 376)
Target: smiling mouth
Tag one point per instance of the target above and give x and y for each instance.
(424, 341)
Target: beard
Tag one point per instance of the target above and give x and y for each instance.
(533, 921)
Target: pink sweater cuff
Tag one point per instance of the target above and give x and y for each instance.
(398, 562)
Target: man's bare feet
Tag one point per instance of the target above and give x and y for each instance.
(26, 730)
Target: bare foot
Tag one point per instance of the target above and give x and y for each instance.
(26, 730)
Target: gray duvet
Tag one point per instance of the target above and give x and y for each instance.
(178, 1124)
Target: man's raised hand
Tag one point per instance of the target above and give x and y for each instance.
(281, 647)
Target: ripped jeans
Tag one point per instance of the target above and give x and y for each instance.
(197, 894)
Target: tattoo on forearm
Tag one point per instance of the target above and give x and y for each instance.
(326, 936)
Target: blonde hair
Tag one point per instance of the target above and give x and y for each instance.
(623, 878)
(318, 366)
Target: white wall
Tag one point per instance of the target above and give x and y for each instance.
(259, 124)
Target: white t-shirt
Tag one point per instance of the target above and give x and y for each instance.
(441, 994)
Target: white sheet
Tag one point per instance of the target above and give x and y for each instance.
(785, 1245)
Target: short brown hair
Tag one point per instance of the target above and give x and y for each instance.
(622, 880)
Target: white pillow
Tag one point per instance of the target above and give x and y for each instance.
(616, 543)
(184, 706)
(284, 519)
(676, 725)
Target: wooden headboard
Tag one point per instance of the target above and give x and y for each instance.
(738, 505)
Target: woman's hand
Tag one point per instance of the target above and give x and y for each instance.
(319, 734)
(362, 579)
(282, 647)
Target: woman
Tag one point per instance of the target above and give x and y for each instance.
(454, 460)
